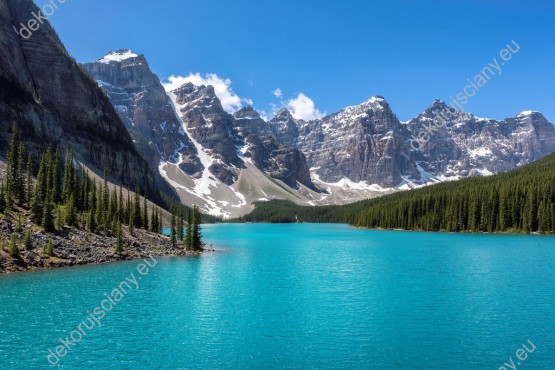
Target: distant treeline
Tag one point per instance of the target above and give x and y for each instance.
(522, 200)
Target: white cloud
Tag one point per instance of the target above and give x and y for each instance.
(302, 107)
(277, 93)
(264, 115)
(231, 102)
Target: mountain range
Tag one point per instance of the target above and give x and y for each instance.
(117, 116)
(225, 162)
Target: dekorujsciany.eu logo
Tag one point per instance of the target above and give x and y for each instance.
(38, 18)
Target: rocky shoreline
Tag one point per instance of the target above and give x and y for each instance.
(74, 246)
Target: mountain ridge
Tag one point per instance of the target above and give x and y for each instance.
(361, 151)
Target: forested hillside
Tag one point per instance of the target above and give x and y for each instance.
(522, 200)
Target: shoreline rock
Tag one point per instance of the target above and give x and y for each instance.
(75, 247)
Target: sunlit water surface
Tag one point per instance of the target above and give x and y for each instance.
(298, 296)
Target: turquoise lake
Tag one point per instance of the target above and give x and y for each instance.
(297, 297)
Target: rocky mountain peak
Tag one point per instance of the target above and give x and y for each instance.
(375, 104)
(283, 114)
(530, 114)
(247, 112)
(438, 106)
(377, 101)
(143, 105)
(249, 122)
(285, 127)
(202, 97)
(119, 56)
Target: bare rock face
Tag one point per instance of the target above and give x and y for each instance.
(280, 161)
(285, 128)
(362, 143)
(56, 103)
(467, 145)
(367, 143)
(248, 122)
(143, 105)
(289, 165)
(212, 127)
(208, 123)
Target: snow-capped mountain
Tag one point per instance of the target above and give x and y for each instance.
(472, 146)
(279, 160)
(364, 144)
(211, 158)
(225, 162)
(143, 105)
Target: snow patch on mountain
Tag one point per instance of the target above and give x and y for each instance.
(117, 56)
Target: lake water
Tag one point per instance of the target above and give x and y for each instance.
(297, 296)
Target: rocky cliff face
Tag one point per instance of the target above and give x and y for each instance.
(143, 105)
(248, 122)
(52, 101)
(212, 127)
(285, 128)
(280, 161)
(231, 139)
(364, 143)
(471, 146)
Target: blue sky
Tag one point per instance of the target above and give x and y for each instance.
(335, 53)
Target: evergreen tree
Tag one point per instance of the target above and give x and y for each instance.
(29, 180)
(28, 243)
(180, 225)
(68, 187)
(173, 229)
(13, 249)
(59, 219)
(127, 214)
(106, 217)
(189, 232)
(19, 181)
(91, 221)
(153, 220)
(137, 209)
(47, 221)
(113, 216)
(2, 197)
(12, 175)
(119, 242)
(49, 249)
(85, 190)
(19, 226)
(144, 215)
(99, 211)
(71, 212)
(197, 234)
(121, 210)
(39, 195)
(56, 177)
